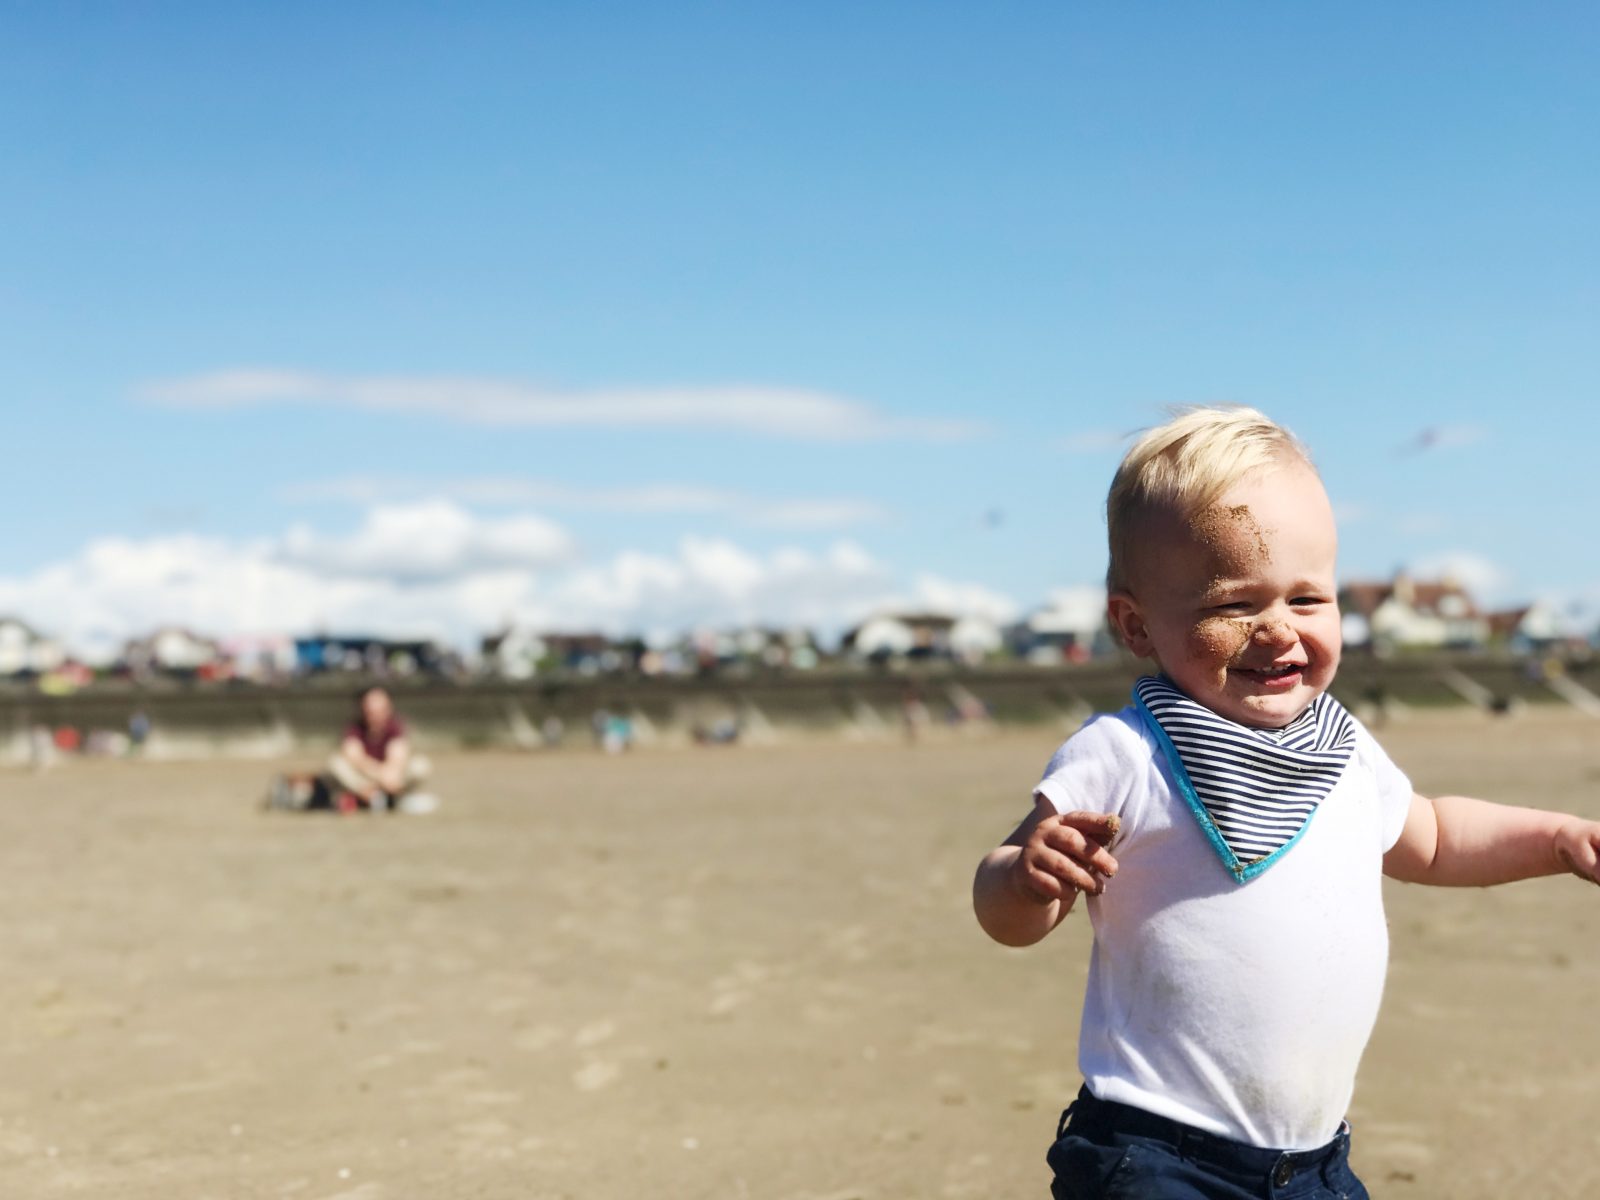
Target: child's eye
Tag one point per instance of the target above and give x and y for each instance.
(1307, 601)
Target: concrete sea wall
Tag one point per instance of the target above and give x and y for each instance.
(200, 720)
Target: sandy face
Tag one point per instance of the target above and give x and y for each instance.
(1223, 637)
(1225, 640)
(1236, 602)
(1232, 531)
(1236, 544)
(1231, 542)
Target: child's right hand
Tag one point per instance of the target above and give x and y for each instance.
(1066, 854)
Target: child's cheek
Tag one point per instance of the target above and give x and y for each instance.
(1220, 640)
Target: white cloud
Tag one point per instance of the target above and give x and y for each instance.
(1082, 606)
(1480, 576)
(509, 490)
(430, 540)
(813, 514)
(795, 514)
(933, 593)
(1421, 524)
(441, 571)
(712, 582)
(1094, 441)
(774, 411)
(116, 588)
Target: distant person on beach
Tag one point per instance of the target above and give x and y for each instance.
(138, 731)
(1231, 828)
(374, 765)
(613, 732)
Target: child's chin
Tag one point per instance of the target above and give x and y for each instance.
(1274, 712)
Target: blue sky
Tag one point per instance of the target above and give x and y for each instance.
(413, 316)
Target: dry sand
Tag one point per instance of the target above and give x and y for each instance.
(734, 973)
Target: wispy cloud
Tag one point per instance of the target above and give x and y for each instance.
(497, 490)
(429, 541)
(771, 411)
(1480, 575)
(815, 514)
(683, 499)
(1419, 524)
(1093, 441)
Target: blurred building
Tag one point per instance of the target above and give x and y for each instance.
(1071, 628)
(591, 653)
(923, 636)
(26, 651)
(751, 648)
(1408, 613)
(175, 651)
(516, 652)
(1539, 628)
(260, 658)
(378, 657)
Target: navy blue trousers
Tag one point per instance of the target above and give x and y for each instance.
(1109, 1151)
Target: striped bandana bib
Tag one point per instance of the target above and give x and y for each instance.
(1254, 791)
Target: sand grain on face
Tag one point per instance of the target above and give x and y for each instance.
(1271, 633)
(1237, 545)
(1232, 533)
(1222, 640)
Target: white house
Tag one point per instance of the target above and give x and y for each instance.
(973, 639)
(173, 649)
(1538, 627)
(24, 650)
(1071, 626)
(882, 636)
(1414, 613)
(924, 635)
(514, 653)
(259, 656)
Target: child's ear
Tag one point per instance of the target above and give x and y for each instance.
(1127, 622)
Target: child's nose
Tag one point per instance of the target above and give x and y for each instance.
(1272, 633)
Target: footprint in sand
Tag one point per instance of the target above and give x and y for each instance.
(594, 1033)
(737, 987)
(540, 1037)
(724, 1003)
(849, 943)
(678, 915)
(492, 1097)
(483, 1141)
(596, 1075)
(365, 1191)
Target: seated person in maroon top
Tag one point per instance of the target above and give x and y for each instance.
(374, 763)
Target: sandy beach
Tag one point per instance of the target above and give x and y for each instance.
(746, 972)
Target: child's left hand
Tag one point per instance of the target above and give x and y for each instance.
(1577, 845)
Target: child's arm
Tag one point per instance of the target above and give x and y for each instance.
(1455, 841)
(1027, 886)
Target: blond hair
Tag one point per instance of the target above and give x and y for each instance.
(1185, 465)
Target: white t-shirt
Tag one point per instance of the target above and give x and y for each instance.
(1240, 1009)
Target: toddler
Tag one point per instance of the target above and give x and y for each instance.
(1231, 828)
